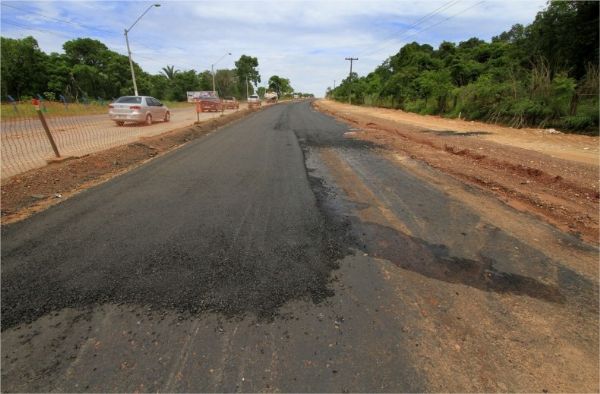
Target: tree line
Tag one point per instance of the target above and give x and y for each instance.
(88, 70)
(544, 74)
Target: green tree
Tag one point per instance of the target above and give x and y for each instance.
(261, 91)
(86, 51)
(23, 67)
(246, 66)
(545, 73)
(280, 85)
(169, 72)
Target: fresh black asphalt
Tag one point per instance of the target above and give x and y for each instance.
(192, 231)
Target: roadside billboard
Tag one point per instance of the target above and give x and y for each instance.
(193, 97)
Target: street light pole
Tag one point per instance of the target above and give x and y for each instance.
(212, 69)
(135, 89)
(131, 64)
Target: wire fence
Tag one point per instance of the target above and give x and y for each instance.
(76, 128)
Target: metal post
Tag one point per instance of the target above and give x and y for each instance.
(247, 96)
(350, 78)
(131, 64)
(45, 126)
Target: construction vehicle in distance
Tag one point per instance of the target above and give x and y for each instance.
(271, 97)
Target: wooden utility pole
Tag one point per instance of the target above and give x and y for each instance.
(350, 77)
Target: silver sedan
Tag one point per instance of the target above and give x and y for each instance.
(140, 109)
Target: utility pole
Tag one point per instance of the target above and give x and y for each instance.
(334, 83)
(247, 88)
(350, 76)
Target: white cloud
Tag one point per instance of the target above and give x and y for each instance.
(305, 41)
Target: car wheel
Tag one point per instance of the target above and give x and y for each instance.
(120, 123)
(148, 119)
(167, 116)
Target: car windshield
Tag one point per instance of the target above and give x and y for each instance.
(129, 100)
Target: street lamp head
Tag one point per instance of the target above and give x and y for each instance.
(157, 5)
(229, 53)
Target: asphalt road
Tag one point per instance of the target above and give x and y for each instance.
(277, 254)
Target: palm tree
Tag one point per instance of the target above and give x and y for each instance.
(169, 72)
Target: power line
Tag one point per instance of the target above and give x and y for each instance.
(79, 25)
(415, 24)
(437, 23)
(450, 17)
(22, 27)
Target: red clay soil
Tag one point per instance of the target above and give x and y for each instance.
(563, 192)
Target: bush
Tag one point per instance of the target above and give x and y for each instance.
(577, 123)
(50, 96)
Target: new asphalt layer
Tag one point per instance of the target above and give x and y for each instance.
(227, 224)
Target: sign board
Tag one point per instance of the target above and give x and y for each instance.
(197, 96)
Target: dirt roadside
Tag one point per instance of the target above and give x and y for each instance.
(552, 175)
(33, 191)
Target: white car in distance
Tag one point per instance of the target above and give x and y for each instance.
(138, 109)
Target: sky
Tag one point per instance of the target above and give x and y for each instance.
(305, 41)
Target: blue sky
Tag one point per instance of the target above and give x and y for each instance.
(305, 41)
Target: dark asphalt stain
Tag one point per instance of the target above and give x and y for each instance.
(436, 260)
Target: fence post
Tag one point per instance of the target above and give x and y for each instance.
(36, 102)
(14, 103)
(42, 103)
(198, 110)
(64, 100)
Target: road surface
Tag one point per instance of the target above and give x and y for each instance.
(25, 145)
(277, 254)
